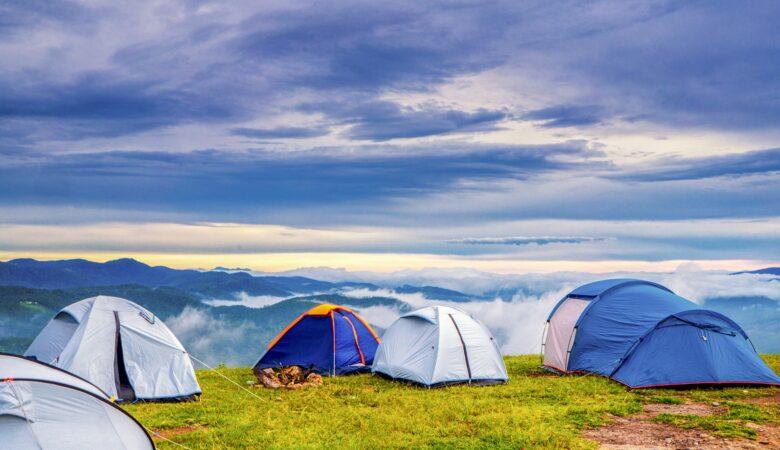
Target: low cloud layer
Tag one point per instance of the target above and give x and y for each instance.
(518, 321)
(213, 340)
(244, 299)
(526, 240)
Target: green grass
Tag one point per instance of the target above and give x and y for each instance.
(534, 409)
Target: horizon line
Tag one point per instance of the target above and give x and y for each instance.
(389, 262)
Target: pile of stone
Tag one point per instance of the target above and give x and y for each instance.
(292, 377)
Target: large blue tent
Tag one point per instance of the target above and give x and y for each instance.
(643, 335)
(329, 339)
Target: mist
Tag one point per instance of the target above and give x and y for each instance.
(518, 323)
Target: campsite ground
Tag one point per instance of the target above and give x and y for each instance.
(535, 409)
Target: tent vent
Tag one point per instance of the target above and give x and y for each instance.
(147, 316)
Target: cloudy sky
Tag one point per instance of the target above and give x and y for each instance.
(516, 136)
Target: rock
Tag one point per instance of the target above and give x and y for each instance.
(715, 404)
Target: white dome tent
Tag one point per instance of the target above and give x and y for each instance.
(120, 347)
(439, 345)
(43, 407)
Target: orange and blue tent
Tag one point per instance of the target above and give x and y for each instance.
(329, 339)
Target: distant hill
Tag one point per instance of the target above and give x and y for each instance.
(765, 271)
(759, 316)
(72, 273)
(354, 302)
(221, 283)
(435, 293)
(79, 272)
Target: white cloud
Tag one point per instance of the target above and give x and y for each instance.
(518, 323)
(244, 299)
(526, 240)
(211, 340)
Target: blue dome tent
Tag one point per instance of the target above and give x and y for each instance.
(641, 334)
(328, 339)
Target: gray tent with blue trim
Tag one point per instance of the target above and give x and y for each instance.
(119, 346)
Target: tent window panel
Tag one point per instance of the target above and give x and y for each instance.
(559, 339)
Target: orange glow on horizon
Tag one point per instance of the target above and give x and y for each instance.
(390, 262)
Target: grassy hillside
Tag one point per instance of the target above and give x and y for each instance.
(535, 409)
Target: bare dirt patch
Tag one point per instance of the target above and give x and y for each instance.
(640, 432)
(171, 432)
(694, 409)
(771, 400)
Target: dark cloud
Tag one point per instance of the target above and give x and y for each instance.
(526, 240)
(99, 104)
(246, 183)
(679, 64)
(18, 16)
(362, 47)
(566, 116)
(734, 165)
(383, 121)
(281, 132)
(658, 62)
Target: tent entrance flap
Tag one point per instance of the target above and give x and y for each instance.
(462, 343)
(123, 387)
(357, 340)
(560, 330)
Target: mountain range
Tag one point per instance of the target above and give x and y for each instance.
(213, 314)
(32, 291)
(71, 273)
(80, 272)
(765, 271)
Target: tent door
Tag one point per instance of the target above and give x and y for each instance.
(357, 341)
(462, 343)
(560, 333)
(123, 387)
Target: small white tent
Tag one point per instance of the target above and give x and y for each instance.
(43, 407)
(439, 345)
(120, 347)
